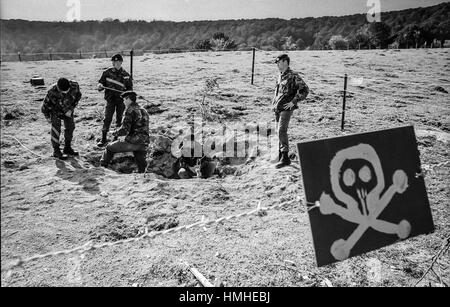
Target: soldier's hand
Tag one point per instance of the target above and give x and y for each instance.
(69, 113)
(49, 120)
(289, 106)
(100, 87)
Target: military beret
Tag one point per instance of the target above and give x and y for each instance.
(132, 94)
(117, 57)
(283, 57)
(63, 84)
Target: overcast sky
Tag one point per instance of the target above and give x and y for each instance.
(180, 10)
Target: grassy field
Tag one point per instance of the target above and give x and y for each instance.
(49, 205)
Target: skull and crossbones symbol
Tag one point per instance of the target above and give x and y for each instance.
(360, 191)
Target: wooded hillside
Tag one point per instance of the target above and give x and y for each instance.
(403, 28)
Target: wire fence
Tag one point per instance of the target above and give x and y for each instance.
(54, 56)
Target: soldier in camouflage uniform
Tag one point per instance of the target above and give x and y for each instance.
(135, 128)
(59, 104)
(290, 90)
(118, 79)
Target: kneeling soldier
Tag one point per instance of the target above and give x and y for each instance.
(58, 105)
(135, 126)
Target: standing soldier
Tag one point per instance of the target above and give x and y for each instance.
(135, 128)
(290, 90)
(114, 81)
(59, 104)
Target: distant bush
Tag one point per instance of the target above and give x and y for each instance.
(337, 42)
(203, 45)
(221, 42)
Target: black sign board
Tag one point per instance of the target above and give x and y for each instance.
(369, 190)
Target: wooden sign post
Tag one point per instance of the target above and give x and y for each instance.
(343, 102)
(253, 64)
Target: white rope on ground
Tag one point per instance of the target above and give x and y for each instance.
(32, 152)
(26, 148)
(89, 246)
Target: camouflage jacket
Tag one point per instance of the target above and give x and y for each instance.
(135, 125)
(57, 103)
(116, 79)
(290, 87)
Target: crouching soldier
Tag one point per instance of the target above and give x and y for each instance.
(59, 104)
(114, 81)
(135, 128)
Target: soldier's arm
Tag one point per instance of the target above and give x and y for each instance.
(126, 124)
(102, 80)
(77, 95)
(128, 82)
(275, 93)
(67, 106)
(47, 106)
(302, 90)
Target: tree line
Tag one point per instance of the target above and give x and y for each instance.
(428, 26)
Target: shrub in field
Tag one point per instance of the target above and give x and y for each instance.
(220, 42)
(205, 106)
(337, 42)
(203, 45)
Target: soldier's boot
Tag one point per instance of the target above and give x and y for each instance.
(106, 158)
(68, 150)
(58, 154)
(104, 141)
(285, 160)
(139, 157)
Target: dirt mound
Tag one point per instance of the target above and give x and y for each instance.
(440, 89)
(12, 114)
(114, 229)
(163, 161)
(161, 222)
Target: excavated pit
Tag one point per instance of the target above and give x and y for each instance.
(161, 160)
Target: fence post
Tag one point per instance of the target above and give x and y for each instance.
(20, 58)
(253, 65)
(50, 54)
(106, 54)
(80, 55)
(131, 63)
(343, 103)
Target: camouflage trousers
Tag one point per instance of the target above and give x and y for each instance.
(283, 118)
(139, 151)
(69, 127)
(113, 104)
